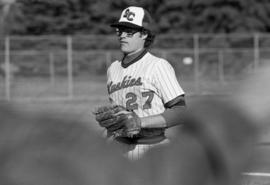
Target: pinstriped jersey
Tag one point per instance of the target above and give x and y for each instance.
(144, 86)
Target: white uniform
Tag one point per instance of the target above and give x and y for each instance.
(143, 86)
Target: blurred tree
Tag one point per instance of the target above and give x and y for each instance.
(54, 17)
(172, 16)
(227, 16)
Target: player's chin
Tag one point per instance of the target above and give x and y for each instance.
(125, 48)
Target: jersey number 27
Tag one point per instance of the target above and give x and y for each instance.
(132, 98)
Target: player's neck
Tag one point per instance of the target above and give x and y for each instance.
(130, 58)
(134, 52)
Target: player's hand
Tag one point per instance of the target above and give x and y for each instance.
(116, 119)
(105, 116)
(131, 122)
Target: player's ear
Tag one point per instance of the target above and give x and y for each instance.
(144, 34)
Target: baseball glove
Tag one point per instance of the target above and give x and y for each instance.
(119, 121)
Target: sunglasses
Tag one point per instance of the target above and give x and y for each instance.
(129, 31)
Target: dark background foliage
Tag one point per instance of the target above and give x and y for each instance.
(40, 17)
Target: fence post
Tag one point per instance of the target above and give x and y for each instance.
(196, 61)
(221, 66)
(108, 59)
(7, 68)
(69, 67)
(164, 54)
(52, 70)
(256, 50)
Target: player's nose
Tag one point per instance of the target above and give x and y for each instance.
(122, 39)
(122, 35)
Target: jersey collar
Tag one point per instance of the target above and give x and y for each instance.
(128, 60)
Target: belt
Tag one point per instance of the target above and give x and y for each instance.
(141, 140)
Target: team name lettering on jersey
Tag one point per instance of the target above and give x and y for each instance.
(127, 81)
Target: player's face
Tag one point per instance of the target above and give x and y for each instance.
(130, 40)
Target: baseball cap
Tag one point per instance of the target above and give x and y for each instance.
(134, 17)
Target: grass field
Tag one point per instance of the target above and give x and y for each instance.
(43, 95)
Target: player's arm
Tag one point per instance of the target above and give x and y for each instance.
(175, 110)
(171, 92)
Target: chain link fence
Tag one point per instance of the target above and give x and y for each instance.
(65, 67)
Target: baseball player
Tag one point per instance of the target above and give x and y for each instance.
(142, 88)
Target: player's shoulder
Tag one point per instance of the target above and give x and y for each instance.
(114, 64)
(154, 58)
(159, 61)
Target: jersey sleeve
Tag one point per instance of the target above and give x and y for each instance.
(109, 73)
(166, 81)
(109, 76)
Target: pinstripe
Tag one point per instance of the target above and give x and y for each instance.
(168, 80)
(165, 82)
(157, 76)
